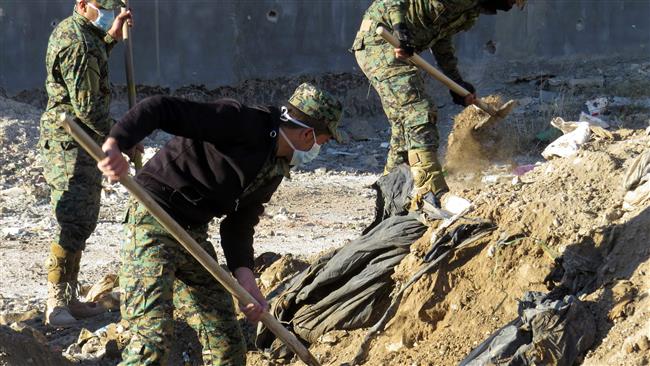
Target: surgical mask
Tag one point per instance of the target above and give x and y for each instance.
(105, 18)
(299, 157)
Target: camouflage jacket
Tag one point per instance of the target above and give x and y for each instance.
(77, 78)
(432, 24)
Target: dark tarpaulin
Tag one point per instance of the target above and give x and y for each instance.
(350, 288)
(549, 331)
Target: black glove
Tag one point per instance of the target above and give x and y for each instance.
(403, 35)
(459, 99)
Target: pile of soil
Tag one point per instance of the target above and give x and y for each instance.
(471, 151)
(565, 211)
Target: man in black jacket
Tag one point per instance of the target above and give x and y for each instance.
(227, 159)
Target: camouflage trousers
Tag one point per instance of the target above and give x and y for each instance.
(75, 191)
(400, 85)
(158, 275)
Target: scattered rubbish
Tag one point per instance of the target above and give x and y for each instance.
(338, 152)
(597, 107)
(547, 331)
(575, 135)
(105, 342)
(592, 120)
(102, 292)
(637, 182)
(455, 204)
(12, 232)
(523, 169)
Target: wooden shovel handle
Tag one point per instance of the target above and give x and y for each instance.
(437, 74)
(190, 244)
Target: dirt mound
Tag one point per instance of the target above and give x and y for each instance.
(559, 226)
(20, 349)
(472, 151)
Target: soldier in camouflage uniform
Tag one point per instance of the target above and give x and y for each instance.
(226, 160)
(419, 25)
(77, 84)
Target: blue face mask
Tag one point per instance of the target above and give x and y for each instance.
(105, 18)
(299, 157)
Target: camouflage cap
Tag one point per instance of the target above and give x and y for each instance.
(110, 4)
(319, 105)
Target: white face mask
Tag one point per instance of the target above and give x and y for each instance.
(105, 18)
(299, 157)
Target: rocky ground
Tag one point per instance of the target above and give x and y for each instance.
(556, 207)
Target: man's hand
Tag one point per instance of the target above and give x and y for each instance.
(118, 23)
(467, 100)
(406, 48)
(114, 166)
(246, 279)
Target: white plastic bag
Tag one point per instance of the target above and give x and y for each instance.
(575, 135)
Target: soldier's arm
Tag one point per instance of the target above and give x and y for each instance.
(238, 228)
(445, 55)
(110, 42)
(81, 74)
(396, 12)
(215, 122)
(237, 231)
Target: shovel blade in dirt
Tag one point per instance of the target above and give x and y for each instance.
(494, 114)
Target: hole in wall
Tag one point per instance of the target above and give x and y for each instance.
(580, 25)
(490, 47)
(272, 16)
(54, 23)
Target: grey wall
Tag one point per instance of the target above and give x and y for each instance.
(225, 41)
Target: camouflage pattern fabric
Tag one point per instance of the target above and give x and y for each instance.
(110, 4)
(400, 85)
(77, 78)
(410, 111)
(77, 84)
(75, 188)
(320, 105)
(273, 167)
(158, 275)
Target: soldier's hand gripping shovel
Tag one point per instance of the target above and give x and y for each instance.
(495, 115)
(190, 244)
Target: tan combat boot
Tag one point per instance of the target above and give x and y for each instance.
(77, 308)
(58, 289)
(63, 305)
(428, 180)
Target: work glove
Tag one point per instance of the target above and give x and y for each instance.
(403, 35)
(459, 99)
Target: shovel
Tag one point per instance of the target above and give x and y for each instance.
(190, 244)
(130, 81)
(495, 115)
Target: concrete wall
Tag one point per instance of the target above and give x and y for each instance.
(225, 41)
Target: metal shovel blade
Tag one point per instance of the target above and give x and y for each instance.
(499, 114)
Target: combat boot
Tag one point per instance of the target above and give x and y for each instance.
(57, 313)
(428, 180)
(78, 308)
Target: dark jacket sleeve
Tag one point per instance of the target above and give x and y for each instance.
(238, 228)
(445, 55)
(214, 122)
